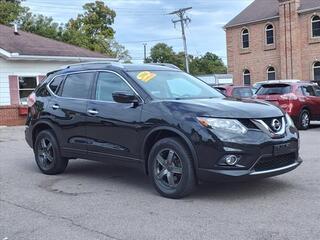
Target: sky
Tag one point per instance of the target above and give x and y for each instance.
(148, 21)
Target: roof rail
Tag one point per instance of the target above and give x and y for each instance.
(70, 66)
(116, 64)
(169, 65)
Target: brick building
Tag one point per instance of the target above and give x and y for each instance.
(25, 59)
(275, 39)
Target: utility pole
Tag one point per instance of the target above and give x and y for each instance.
(184, 21)
(145, 52)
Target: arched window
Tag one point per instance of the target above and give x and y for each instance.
(245, 38)
(271, 73)
(316, 71)
(269, 34)
(246, 77)
(315, 26)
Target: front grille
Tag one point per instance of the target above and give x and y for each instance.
(268, 121)
(269, 163)
(248, 124)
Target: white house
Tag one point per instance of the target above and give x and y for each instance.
(25, 58)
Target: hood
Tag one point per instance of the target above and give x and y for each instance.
(225, 108)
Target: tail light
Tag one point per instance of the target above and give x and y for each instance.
(31, 100)
(289, 96)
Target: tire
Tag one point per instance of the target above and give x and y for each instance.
(171, 168)
(47, 154)
(304, 120)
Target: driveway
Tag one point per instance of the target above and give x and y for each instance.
(95, 201)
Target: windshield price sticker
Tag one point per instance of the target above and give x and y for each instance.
(146, 76)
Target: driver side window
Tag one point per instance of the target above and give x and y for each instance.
(109, 83)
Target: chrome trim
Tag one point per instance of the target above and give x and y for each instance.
(55, 106)
(266, 129)
(91, 71)
(274, 170)
(93, 112)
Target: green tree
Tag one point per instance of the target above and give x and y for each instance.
(92, 29)
(10, 11)
(210, 63)
(161, 53)
(41, 25)
(120, 52)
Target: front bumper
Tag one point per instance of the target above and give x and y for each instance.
(244, 175)
(260, 155)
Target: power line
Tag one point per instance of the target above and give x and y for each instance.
(152, 40)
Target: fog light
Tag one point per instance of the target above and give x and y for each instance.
(231, 160)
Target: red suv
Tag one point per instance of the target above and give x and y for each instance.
(236, 91)
(301, 100)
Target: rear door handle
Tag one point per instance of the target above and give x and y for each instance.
(93, 112)
(55, 106)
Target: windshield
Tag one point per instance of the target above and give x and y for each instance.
(173, 85)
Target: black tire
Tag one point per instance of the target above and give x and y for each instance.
(47, 154)
(304, 120)
(178, 178)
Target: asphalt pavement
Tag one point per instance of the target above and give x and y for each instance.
(95, 201)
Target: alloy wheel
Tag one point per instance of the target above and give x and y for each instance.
(168, 168)
(305, 120)
(45, 154)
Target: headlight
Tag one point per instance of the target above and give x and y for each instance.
(289, 120)
(225, 125)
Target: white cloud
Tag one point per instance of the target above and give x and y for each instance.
(142, 20)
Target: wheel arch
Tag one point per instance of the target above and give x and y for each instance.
(39, 127)
(305, 107)
(163, 132)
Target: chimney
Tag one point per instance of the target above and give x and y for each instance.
(16, 29)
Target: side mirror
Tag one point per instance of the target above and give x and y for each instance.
(124, 97)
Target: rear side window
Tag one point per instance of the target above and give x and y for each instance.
(242, 93)
(308, 91)
(317, 91)
(55, 85)
(274, 89)
(77, 85)
(109, 83)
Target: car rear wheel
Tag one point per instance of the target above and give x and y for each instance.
(171, 168)
(47, 154)
(304, 120)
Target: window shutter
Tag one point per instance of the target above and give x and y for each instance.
(14, 90)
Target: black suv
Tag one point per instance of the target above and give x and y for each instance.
(175, 127)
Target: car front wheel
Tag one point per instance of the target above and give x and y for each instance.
(47, 154)
(171, 168)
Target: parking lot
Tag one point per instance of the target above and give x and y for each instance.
(95, 201)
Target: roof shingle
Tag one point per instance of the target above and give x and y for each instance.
(266, 9)
(34, 45)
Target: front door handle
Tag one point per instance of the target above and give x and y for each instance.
(55, 106)
(93, 112)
